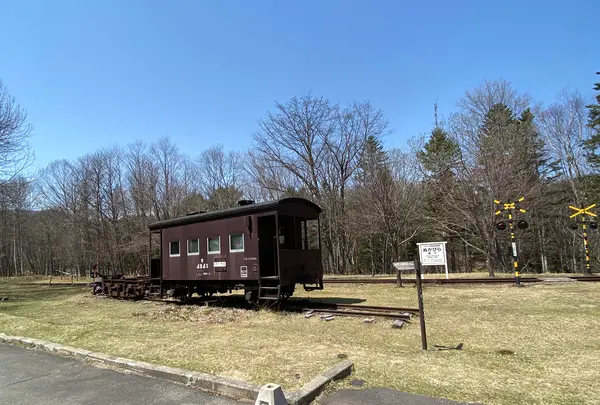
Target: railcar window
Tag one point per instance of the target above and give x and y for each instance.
(236, 242)
(193, 246)
(174, 248)
(214, 244)
(289, 232)
(312, 234)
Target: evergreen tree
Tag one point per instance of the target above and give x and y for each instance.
(373, 161)
(511, 151)
(496, 134)
(593, 143)
(440, 154)
(534, 161)
(440, 159)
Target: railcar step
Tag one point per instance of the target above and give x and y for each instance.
(262, 287)
(270, 278)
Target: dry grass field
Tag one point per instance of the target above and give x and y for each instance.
(533, 345)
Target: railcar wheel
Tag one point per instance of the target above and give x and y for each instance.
(287, 292)
(182, 294)
(251, 297)
(185, 297)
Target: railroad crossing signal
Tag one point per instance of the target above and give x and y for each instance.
(583, 212)
(510, 207)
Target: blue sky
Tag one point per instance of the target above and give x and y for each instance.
(95, 73)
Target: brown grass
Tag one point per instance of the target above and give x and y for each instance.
(531, 345)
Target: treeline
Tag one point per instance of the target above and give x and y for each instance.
(378, 203)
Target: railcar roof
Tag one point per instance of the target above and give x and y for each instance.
(233, 212)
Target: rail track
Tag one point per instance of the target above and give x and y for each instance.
(307, 306)
(586, 278)
(369, 311)
(499, 280)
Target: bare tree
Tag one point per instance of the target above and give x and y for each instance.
(15, 155)
(221, 175)
(319, 145)
(294, 139)
(267, 180)
(564, 128)
(61, 191)
(168, 188)
(139, 180)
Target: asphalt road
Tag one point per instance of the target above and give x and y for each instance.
(30, 377)
(382, 396)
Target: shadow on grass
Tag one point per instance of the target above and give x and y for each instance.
(238, 301)
(327, 300)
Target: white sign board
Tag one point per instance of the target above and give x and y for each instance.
(433, 254)
(404, 266)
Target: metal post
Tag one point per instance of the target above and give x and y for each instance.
(583, 212)
(420, 300)
(513, 244)
(586, 246)
(510, 207)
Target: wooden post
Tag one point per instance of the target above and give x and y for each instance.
(398, 278)
(420, 301)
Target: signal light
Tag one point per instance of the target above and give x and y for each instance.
(594, 225)
(522, 224)
(501, 226)
(574, 227)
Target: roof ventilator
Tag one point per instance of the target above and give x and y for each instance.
(195, 213)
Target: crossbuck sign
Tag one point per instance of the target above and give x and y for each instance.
(433, 254)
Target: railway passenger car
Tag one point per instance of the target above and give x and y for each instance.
(266, 249)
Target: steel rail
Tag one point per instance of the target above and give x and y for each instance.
(309, 304)
(434, 281)
(361, 313)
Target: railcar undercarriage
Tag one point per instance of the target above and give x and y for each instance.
(144, 287)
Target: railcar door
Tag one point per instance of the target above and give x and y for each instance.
(267, 246)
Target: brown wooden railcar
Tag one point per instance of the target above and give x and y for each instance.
(264, 248)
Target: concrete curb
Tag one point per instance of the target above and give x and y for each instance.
(206, 382)
(313, 388)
